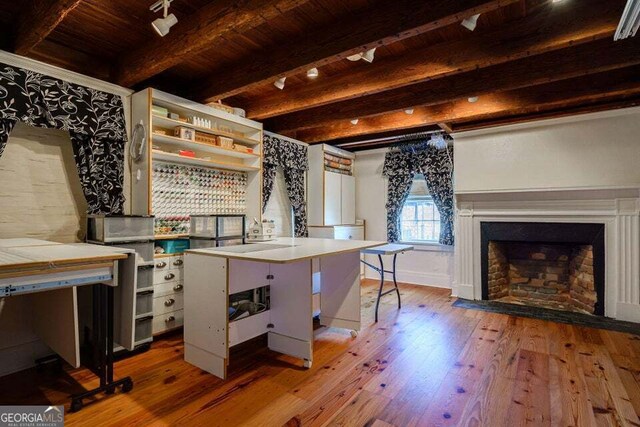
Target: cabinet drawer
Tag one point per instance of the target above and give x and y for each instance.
(168, 303)
(169, 263)
(166, 322)
(164, 289)
(165, 276)
(349, 233)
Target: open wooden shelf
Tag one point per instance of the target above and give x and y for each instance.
(170, 236)
(176, 158)
(201, 146)
(170, 123)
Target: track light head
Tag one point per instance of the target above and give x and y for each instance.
(409, 111)
(354, 58)
(354, 121)
(473, 99)
(163, 25)
(471, 22)
(368, 55)
(313, 73)
(280, 83)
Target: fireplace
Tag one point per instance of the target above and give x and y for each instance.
(558, 266)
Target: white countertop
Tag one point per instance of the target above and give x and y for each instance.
(288, 249)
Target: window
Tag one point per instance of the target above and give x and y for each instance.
(420, 219)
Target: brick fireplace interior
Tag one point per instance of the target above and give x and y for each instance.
(548, 265)
(556, 276)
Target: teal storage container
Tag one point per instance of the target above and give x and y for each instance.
(173, 246)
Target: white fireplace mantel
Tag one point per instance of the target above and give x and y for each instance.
(617, 209)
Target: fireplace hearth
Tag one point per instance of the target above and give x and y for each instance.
(559, 266)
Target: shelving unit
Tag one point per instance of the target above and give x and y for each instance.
(164, 148)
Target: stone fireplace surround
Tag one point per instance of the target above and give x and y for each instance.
(550, 265)
(616, 209)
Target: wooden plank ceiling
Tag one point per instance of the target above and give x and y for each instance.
(526, 59)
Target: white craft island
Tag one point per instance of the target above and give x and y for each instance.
(293, 269)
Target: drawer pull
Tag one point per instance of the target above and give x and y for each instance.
(144, 319)
(149, 292)
(169, 276)
(161, 264)
(169, 302)
(178, 262)
(178, 288)
(169, 319)
(270, 277)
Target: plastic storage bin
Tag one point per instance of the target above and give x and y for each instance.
(202, 243)
(104, 228)
(216, 226)
(143, 332)
(145, 277)
(144, 302)
(144, 250)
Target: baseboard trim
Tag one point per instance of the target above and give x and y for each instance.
(436, 280)
(628, 312)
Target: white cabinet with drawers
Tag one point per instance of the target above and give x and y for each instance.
(168, 287)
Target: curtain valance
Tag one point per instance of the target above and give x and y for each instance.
(293, 159)
(94, 120)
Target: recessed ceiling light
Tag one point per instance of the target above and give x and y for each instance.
(280, 83)
(471, 22)
(354, 121)
(163, 25)
(473, 99)
(409, 111)
(313, 73)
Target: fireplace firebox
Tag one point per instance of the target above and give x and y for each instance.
(558, 266)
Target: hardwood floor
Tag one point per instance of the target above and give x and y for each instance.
(429, 364)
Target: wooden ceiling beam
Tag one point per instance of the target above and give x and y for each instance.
(383, 23)
(41, 17)
(195, 34)
(552, 27)
(604, 87)
(585, 59)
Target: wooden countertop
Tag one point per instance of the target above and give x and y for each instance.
(288, 249)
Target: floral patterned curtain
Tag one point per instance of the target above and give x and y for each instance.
(293, 160)
(436, 165)
(94, 119)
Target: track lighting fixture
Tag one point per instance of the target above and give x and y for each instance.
(163, 25)
(471, 22)
(366, 55)
(473, 99)
(313, 73)
(280, 83)
(354, 121)
(629, 22)
(409, 111)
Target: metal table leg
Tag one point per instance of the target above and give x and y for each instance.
(381, 270)
(103, 345)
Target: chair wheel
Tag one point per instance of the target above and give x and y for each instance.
(354, 333)
(127, 386)
(307, 363)
(76, 405)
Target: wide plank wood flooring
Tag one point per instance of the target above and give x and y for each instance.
(429, 364)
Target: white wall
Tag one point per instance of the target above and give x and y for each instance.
(599, 150)
(431, 266)
(41, 198)
(279, 207)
